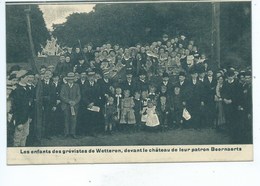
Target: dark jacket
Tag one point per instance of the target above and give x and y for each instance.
(21, 106)
(91, 94)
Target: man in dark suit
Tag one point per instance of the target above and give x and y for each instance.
(81, 111)
(231, 96)
(183, 84)
(32, 95)
(92, 99)
(141, 83)
(129, 83)
(247, 106)
(105, 84)
(82, 65)
(210, 84)
(204, 113)
(166, 82)
(195, 101)
(88, 52)
(58, 117)
(70, 97)
(48, 96)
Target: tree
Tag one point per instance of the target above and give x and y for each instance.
(129, 24)
(17, 41)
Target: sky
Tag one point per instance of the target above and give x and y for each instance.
(57, 13)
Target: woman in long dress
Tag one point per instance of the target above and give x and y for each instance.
(220, 115)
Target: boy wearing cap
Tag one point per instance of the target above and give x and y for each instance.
(70, 97)
(21, 111)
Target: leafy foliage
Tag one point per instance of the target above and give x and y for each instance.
(128, 24)
(17, 41)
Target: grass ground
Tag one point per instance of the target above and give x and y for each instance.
(171, 137)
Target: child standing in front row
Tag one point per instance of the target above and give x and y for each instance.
(163, 107)
(144, 98)
(137, 110)
(110, 115)
(152, 119)
(127, 112)
(118, 99)
(177, 105)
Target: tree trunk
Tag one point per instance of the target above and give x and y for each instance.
(29, 30)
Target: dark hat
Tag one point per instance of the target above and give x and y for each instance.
(129, 71)
(30, 72)
(165, 74)
(248, 73)
(12, 76)
(230, 73)
(96, 51)
(15, 68)
(43, 66)
(55, 74)
(97, 71)
(200, 68)
(182, 74)
(193, 70)
(81, 57)
(241, 73)
(209, 69)
(142, 72)
(177, 86)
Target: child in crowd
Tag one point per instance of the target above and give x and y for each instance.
(152, 119)
(144, 99)
(177, 106)
(163, 108)
(127, 111)
(163, 91)
(110, 115)
(118, 98)
(152, 92)
(137, 110)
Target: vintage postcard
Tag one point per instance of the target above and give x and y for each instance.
(128, 82)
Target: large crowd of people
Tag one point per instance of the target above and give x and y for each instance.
(165, 85)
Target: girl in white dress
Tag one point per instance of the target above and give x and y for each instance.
(152, 117)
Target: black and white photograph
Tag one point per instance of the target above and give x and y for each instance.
(129, 74)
